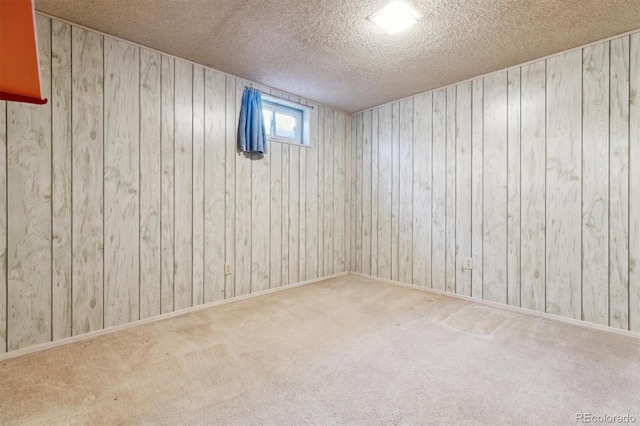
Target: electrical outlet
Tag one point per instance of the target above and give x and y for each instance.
(227, 269)
(468, 263)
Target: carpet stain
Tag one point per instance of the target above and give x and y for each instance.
(474, 319)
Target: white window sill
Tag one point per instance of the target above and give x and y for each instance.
(271, 139)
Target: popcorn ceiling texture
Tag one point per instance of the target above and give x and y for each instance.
(328, 52)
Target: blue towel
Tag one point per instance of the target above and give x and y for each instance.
(251, 134)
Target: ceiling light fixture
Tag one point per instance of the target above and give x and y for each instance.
(395, 17)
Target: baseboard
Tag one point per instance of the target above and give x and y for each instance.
(504, 307)
(97, 333)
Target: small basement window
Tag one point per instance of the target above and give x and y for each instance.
(285, 121)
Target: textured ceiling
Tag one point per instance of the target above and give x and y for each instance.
(327, 51)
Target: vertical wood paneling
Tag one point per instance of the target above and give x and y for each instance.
(531, 173)
(422, 114)
(294, 213)
(405, 195)
(61, 180)
(564, 135)
(365, 199)
(87, 181)
(127, 195)
(352, 193)
(214, 185)
(395, 189)
(3, 226)
(297, 270)
(243, 209)
(513, 187)
(275, 250)
(285, 163)
(450, 192)
(339, 195)
(260, 221)
(375, 182)
(439, 190)
(121, 182)
(231, 151)
(302, 233)
(150, 183)
(198, 187)
(384, 194)
(29, 210)
(634, 186)
(494, 262)
(477, 158)
(183, 175)
(595, 183)
(311, 220)
(463, 188)
(260, 216)
(167, 218)
(532, 243)
(284, 207)
(321, 194)
(359, 186)
(348, 180)
(328, 191)
(619, 185)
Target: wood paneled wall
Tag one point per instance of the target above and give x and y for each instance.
(533, 172)
(123, 197)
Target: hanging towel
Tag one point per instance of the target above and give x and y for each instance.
(251, 134)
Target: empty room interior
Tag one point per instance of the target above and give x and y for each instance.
(373, 212)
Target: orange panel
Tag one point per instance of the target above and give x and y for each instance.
(19, 72)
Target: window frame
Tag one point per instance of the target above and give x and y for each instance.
(288, 108)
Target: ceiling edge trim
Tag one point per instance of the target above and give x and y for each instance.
(512, 67)
(47, 15)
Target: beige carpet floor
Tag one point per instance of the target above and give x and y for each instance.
(343, 351)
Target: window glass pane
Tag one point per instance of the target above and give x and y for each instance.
(268, 116)
(282, 122)
(285, 125)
